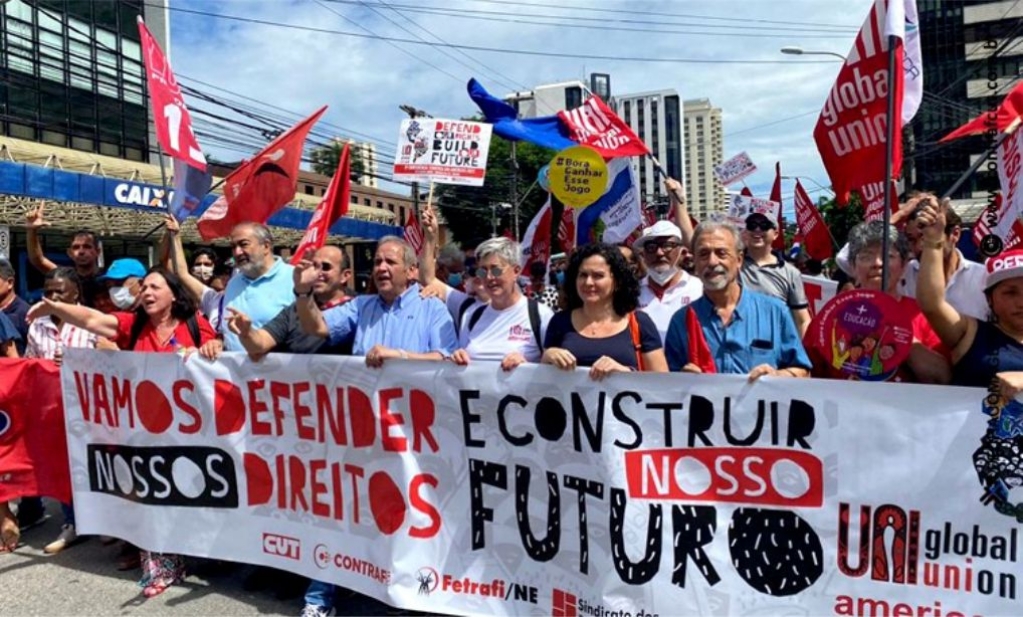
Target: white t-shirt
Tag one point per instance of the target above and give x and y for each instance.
(686, 290)
(454, 301)
(210, 305)
(498, 333)
(964, 291)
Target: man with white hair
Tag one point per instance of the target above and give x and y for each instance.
(666, 288)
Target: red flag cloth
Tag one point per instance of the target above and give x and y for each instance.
(33, 441)
(745, 191)
(1009, 111)
(850, 132)
(333, 206)
(173, 122)
(414, 233)
(260, 186)
(536, 242)
(983, 228)
(699, 350)
(779, 241)
(566, 230)
(596, 125)
(816, 240)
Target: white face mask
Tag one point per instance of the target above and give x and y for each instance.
(121, 297)
(204, 273)
(661, 277)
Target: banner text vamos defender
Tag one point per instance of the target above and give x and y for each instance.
(474, 491)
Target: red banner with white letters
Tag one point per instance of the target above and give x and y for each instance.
(596, 125)
(333, 206)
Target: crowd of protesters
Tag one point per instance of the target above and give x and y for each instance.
(714, 298)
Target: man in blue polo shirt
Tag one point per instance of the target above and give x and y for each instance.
(737, 330)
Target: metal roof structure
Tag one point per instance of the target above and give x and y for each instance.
(128, 221)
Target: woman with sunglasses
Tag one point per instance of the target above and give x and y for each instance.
(601, 327)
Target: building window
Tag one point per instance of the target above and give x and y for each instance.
(573, 97)
(308, 189)
(401, 215)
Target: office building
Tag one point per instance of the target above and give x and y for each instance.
(704, 147)
(72, 74)
(549, 99)
(367, 153)
(656, 118)
(972, 57)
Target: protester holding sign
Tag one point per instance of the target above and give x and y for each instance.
(601, 327)
(731, 329)
(983, 352)
(166, 321)
(766, 273)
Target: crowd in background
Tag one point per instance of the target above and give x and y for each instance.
(711, 299)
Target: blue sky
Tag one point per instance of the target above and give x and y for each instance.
(769, 109)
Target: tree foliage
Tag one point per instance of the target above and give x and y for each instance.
(841, 219)
(325, 160)
(467, 209)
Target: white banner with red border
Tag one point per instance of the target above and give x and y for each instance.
(442, 151)
(477, 491)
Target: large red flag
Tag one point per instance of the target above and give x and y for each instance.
(33, 441)
(260, 186)
(173, 122)
(536, 242)
(1009, 112)
(779, 240)
(812, 228)
(851, 131)
(594, 124)
(414, 233)
(333, 206)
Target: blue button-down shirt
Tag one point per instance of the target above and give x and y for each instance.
(761, 332)
(260, 298)
(410, 323)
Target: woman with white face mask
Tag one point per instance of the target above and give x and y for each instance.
(124, 281)
(204, 260)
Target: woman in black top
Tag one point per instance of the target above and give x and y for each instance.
(601, 327)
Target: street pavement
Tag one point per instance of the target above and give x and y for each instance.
(84, 580)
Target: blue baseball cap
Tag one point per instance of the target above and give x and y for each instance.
(122, 269)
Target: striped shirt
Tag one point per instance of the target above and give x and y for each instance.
(45, 339)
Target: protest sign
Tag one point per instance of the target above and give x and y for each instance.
(734, 169)
(578, 176)
(471, 490)
(442, 151)
(741, 206)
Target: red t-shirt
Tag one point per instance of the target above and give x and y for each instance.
(922, 330)
(148, 340)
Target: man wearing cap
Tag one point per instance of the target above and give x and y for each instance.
(12, 306)
(766, 273)
(123, 280)
(666, 287)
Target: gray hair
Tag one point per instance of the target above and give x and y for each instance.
(707, 227)
(449, 255)
(408, 255)
(260, 231)
(506, 250)
(871, 233)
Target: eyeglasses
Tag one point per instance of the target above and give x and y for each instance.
(758, 226)
(325, 266)
(650, 248)
(493, 271)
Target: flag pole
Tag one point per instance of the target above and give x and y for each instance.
(1009, 130)
(889, 161)
(166, 204)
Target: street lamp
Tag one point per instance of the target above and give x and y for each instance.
(493, 216)
(793, 50)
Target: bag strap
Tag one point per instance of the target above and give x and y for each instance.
(533, 307)
(475, 317)
(462, 308)
(193, 329)
(637, 342)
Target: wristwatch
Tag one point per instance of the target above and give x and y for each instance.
(302, 294)
(934, 244)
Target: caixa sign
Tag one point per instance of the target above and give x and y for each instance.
(131, 194)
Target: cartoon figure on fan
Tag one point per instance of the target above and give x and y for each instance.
(998, 460)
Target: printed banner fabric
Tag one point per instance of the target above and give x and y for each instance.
(734, 169)
(442, 151)
(470, 490)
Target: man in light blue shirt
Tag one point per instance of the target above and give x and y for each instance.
(394, 323)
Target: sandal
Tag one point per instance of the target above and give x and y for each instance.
(156, 587)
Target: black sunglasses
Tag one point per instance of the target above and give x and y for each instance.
(493, 271)
(650, 248)
(759, 226)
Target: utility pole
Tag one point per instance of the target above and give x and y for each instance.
(414, 113)
(515, 192)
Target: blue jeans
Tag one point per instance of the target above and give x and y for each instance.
(320, 594)
(69, 513)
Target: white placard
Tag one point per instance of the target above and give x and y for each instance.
(734, 169)
(442, 151)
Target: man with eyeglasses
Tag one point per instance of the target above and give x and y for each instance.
(765, 272)
(666, 288)
(283, 334)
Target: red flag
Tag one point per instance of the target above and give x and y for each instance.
(1009, 112)
(699, 350)
(850, 132)
(333, 206)
(983, 227)
(173, 122)
(779, 241)
(33, 441)
(745, 191)
(566, 230)
(536, 242)
(260, 186)
(816, 240)
(414, 233)
(594, 124)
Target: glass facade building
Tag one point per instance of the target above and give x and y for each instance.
(71, 74)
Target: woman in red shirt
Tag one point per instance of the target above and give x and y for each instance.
(165, 320)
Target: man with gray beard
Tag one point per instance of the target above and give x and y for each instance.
(731, 329)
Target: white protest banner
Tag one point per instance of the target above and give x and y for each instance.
(734, 169)
(442, 151)
(818, 291)
(471, 490)
(741, 206)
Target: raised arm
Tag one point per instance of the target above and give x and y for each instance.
(84, 317)
(677, 194)
(428, 262)
(950, 326)
(34, 221)
(175, 261)
(309, 315)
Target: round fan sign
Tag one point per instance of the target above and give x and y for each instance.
(578, 176)
(863, 335)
